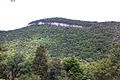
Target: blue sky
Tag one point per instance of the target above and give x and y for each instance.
(17, 14)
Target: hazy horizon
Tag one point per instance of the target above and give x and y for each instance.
(18, 14)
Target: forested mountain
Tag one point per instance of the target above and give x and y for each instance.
(92, 42)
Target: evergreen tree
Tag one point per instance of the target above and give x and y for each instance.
(40, 63)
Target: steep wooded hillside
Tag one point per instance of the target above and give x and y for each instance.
(93, 40)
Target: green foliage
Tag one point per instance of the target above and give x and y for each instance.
(101, 70)
(0, 48)
(13, 64)
(109, 68)
(96, 58)
(87, 42)
(40, 63)
(72, 67)
(115, 61)
(29, 77)
(54, 68)
(2, 65)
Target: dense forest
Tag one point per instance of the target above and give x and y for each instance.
(53, 52)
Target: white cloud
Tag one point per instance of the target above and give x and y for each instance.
(18, 14)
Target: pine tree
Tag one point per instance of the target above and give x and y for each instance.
(40, 63)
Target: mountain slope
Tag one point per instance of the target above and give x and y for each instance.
(93, 40)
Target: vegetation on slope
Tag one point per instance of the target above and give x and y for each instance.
(93, 51)
(61, 41)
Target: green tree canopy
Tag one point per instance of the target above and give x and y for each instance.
(72, 67)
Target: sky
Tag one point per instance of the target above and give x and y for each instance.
(14, 15)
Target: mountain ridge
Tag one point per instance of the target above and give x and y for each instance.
(71, 21)
(62, 20)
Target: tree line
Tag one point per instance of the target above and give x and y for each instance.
(42, 67)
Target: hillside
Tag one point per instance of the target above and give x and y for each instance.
(93, 40)
(54, 49)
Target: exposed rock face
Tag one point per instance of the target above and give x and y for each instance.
(56, 24)
(62, 22)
